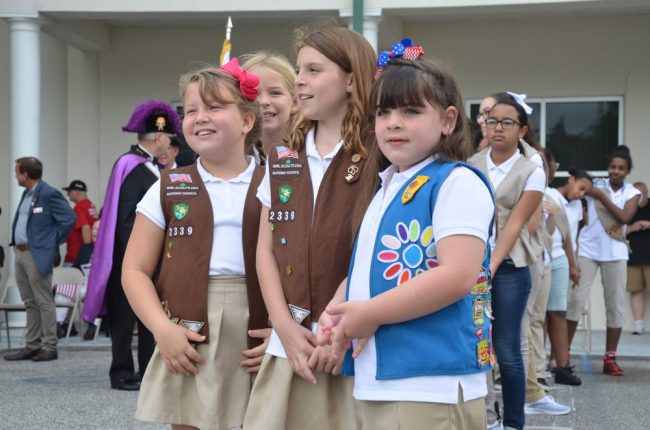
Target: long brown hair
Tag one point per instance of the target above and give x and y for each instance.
(353, 54)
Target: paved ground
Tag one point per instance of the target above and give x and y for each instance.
(73, 392)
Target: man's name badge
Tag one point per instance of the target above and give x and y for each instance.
(194, 326)
(298, 314)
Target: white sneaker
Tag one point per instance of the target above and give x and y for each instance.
(497, 425)
(638, 327)
(546, 406)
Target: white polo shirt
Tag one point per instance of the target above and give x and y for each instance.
(464, 206)
(227, 198)
(317, 167)
(595, 243)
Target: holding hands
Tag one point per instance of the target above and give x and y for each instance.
(337, 327)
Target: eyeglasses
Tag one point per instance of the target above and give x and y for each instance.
(482, 114)
(505, 123)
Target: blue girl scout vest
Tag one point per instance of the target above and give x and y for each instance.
(455, 340)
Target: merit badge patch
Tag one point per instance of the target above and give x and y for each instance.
(298, 314)
(194, 326)
(181, 210)
(413, 188)
(481, 286)
(180, 177)
(479, 306)
(285, 192)
(284, 152)
(483, 352)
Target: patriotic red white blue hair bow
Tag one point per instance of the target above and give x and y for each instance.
(402, 49)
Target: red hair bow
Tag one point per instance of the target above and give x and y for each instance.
(248, 81)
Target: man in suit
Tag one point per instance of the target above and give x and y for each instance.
(42, 222)
(155, 123)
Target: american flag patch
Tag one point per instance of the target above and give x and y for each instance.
(284, 152)
(180, 177)
(68, 290)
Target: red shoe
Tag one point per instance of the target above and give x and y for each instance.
(610, 367)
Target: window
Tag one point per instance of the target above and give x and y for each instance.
(580, 132)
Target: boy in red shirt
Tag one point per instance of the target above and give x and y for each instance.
(86, 216)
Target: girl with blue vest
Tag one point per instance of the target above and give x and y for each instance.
(418, 292)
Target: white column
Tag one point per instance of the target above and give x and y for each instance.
(25, 97)
(371, 19)
(371, 30)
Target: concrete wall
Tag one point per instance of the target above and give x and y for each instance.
(146, 63)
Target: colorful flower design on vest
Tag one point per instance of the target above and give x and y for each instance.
(407, 250)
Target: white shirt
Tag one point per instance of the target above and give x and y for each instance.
(317, 167)
(464, 206)
(573, 211)
(595, 243)
(154, 169)
(535, 182)
(227, 198)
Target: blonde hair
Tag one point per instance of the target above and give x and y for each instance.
(353, 54)
(279, 64)
(216, 84)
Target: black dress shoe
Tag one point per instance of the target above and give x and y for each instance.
(46, 355)
(126, 385)
(23, 354)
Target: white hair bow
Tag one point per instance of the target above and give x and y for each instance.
(519, 98)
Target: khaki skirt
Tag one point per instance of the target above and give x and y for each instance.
(282, 400)
(217, 396)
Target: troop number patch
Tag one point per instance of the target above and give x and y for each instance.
(180, 231)
(282, 216)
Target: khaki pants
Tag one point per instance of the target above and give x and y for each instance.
(537, 315)
(372, 415)
(36, 292)
(614, 278)
(534, 390)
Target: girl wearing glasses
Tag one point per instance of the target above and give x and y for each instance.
(519, 185)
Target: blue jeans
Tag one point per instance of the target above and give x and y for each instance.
(510, 289)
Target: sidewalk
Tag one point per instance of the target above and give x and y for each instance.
(630, 346)
(74, 392)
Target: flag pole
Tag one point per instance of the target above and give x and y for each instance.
(225, 50)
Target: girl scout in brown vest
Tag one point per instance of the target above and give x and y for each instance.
(308, 195)
(194, 236)
(519, 186)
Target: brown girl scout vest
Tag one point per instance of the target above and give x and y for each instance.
(182, 277)
(312, 244)
(507, 194)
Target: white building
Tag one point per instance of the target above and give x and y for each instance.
(71, 71)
